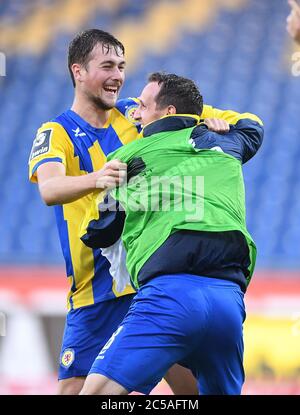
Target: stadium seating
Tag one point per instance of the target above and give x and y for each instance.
(238, 60)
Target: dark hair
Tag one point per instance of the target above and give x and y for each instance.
(82, 45)
(175, 90)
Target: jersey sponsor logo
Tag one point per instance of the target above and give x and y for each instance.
(78, 133)
(41, 144)
(129, 113)
(68, 357)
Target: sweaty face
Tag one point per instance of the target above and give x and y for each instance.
(103, 76)
(147, 110)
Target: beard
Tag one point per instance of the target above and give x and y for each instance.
(100, 104)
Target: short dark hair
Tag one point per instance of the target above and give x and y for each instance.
(175, 90)
(82, 45)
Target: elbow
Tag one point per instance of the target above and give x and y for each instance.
(260, 135)
(49, 198)
(49, 201)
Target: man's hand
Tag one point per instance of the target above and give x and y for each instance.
(113, 174)
(217, 125)
(293, 21)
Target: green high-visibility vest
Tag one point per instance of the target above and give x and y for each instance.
(180, 188)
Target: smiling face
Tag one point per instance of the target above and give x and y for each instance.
(101, 79)
(147, 110)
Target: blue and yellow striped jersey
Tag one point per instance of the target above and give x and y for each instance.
(70, 140)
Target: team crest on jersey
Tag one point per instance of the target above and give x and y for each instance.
(41, 144)
(68, 357)
(129, 113)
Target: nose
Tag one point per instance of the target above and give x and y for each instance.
(137, 114)
(118, 75)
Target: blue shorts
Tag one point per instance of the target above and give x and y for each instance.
(87, 329)
(187, 319)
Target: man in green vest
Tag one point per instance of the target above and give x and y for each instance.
(181, 219)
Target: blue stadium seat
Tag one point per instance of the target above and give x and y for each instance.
(239, 62)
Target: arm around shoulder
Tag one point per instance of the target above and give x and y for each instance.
(232, 117)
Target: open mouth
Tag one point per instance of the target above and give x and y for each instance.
(113, 90)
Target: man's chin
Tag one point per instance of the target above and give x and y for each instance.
(112, 102)
(105, 105)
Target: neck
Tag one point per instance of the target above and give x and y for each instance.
(95, 116)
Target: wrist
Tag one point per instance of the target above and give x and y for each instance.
(91, 181)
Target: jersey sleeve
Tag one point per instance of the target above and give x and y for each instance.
(50, 144)
(242, 141)
(232, 117)
(127, 107)
(247, 135)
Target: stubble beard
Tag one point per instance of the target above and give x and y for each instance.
(100, 104)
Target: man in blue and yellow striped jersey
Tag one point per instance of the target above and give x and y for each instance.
(68, 161)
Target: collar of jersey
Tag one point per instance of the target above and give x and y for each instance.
(85, 125)
(171, 123)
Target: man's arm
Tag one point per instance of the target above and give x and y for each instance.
(51, 151)
(242, 141)
(56, 188)
(247, 136)
(232, 117)
(293, 21)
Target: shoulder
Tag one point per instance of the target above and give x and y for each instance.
(51, 137)
(126, 107)
(249, 123)
(53, 132)
(52, 128)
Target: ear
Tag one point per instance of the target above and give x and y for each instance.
(171, 110)
(77, 71)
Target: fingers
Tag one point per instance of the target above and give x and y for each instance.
(217, 125)
(115, 168)
(107, 182)
(113, 174)
(116, 165)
